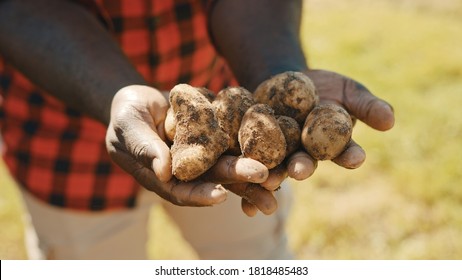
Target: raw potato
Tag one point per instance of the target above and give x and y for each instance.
(327, 131)
(198, 141)
(290, 94)
(170, 125)
(260, 136)
(230, 106)
(292, 133)
(170, 122)
(207, 93)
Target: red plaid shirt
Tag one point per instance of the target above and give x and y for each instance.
(58, 154)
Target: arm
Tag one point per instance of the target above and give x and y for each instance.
(267, 31)
(260, 38)
(64, 49)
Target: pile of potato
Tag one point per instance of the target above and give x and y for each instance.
(269, 125)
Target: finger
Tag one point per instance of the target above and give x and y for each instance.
(263, 199)
(197, 193)
(157, 106)
(276, 176)
(373, 111)
(162, 161)
(231, 169)
(179, 193)
(161, 132)
(136, 112)
(160, 152)
(146, 146)
(143, 175)
(352, 157)
(248, 208)
(301, 166)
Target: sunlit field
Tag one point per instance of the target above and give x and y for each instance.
(405, 202)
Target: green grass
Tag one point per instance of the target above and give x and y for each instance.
(11, 220)
(405, 202)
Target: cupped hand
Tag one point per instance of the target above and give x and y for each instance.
(259, 196)
(360, 103)
(331, 87)
(135, 141)
(243, 177)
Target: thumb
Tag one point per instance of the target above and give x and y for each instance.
(143, 145)
(371, 110)
(161, 160)
(150, 150)
(136, 113)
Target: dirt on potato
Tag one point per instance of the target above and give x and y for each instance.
(260, 136)
(290, 94)
(230, 106)
(292, 133)
(327, 131)
(198, 141)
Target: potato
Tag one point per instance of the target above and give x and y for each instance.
(292, 133)
(170, 122)
(327, 131)
(260, 136)
(230, 106)
(170, 125)
(207, 93)
(290, 94)
(198, 141)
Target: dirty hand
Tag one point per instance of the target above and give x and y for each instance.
(359, 102)
(331, 88)
(135, 141)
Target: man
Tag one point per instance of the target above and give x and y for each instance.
(82, 80)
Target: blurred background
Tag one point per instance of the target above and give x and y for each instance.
(405, 202)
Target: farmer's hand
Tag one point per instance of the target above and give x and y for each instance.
(359, 102)
(135, 141)
(331, 88)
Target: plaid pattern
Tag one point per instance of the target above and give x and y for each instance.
(58, 154)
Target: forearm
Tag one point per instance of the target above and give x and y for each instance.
(258, 38)
(64, 49)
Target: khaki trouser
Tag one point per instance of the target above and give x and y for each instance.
(219, 232)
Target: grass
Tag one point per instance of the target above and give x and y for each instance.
(11, 220)
(405, 202)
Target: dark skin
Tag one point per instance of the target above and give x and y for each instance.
(239, 36)
(74, 58)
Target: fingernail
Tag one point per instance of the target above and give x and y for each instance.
(218, 194)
